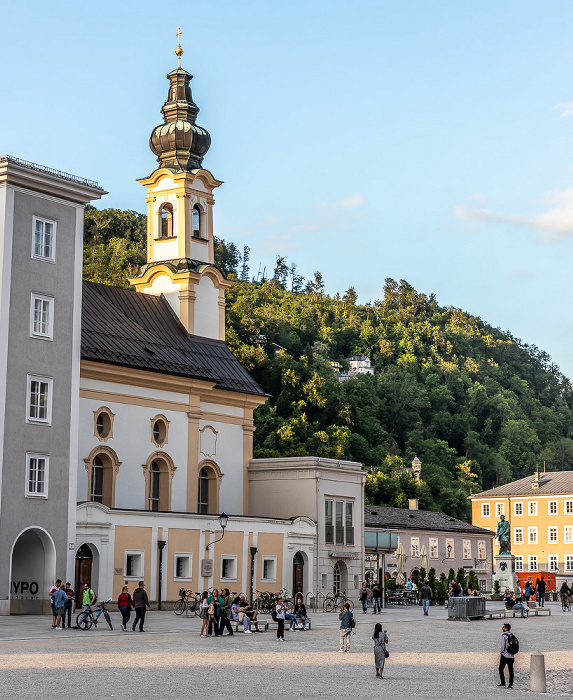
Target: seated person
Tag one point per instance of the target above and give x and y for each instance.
(512, 604)
(238, 614)
(290, 617)
(248, 610)
(300, 612)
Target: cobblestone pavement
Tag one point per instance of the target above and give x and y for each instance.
(429, 656)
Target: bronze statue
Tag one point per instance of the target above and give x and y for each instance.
(503, 535)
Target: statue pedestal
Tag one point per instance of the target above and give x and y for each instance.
(505, 571)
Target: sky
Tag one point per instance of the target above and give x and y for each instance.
(424, 141)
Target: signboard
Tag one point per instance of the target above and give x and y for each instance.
(206, 568)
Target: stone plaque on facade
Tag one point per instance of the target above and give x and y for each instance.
(118, 572)
(208, 439)
(206, 568)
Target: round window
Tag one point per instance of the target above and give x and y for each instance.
(103, 424)
(159, 431)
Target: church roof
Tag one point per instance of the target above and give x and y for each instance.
(130, 329)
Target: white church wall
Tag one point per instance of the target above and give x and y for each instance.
(228, 455)
(206, 309)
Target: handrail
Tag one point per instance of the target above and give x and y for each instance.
(52, 171)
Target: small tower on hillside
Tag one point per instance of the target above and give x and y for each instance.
(416, 467)
(180, 248)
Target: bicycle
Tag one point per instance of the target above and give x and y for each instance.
(565, 603)
(334, 601)
(188, 601)
(85, 620)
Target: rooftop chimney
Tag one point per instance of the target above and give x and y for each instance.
(413, 503)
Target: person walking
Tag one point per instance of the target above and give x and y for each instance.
(141, 605)
(69, 605)
(541, 586)
(380, 640)
(204, 614)
(226, 613)
(345, 618)
(377, 597)
(364, 597)
(124, 605)
(426, 594)
(280, 615)
(505, 659)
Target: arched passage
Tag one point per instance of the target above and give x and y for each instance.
(32, 571)
(340, 578)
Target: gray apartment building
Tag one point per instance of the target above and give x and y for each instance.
(450, 543)
(41, 245)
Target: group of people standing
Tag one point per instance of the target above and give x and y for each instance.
(374, 594)
(217, 610)
(62, 603)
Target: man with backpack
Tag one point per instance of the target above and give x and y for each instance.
(509, 648)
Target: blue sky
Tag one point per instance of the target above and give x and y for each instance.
(425, 141)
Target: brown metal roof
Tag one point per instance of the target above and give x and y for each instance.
(549, 483)
(127, 328)
(406, 519)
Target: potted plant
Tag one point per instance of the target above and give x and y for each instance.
(442, 592)
(496, 593)
(433, 585)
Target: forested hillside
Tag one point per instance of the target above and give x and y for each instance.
(477, 406)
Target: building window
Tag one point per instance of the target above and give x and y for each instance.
(519, 563)
(203, 497)
(415, 546)
(532, 535)
(37, 475)
(569, 562)
(323, 581)
(433, 547)
(269, 569)
(41, 314)
(568, 533)
(228, 568)
(569, 507)
(485, 510)
(533, 508)
(518, 508)
(39, 399)
(533, 562)
(196, 222)
(552, 534)
(499, 509)
(154, 486)
(159, 428)
(328, 523)
(166, 221)
(481, 549)
(553, 563)
(103, 424)
(44, 239)
(552, 507)
(518, 535)
(183, 566)
(133, 565)
(102, 467)
(349, 534)
(467, 549)
(339, 523)
(450, 552)
(97, 481)
(336, 580)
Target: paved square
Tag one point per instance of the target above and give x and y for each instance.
(429, 657)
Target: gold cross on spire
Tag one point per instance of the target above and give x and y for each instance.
(179, 50)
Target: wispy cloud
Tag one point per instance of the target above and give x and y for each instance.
(553, 224)
(353, 200)
(566, 109)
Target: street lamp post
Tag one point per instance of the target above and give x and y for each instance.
(223, 520)
(160, 544)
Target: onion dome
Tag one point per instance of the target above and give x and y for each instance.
(179, 143)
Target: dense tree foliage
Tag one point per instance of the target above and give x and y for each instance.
(477, 406)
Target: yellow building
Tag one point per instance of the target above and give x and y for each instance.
(540, 511)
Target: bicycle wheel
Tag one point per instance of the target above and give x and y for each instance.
(179, 607)
(84, 621)
(329, 605)
(107, 619)
(194, 606)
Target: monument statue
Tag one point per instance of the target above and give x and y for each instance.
(503, 535)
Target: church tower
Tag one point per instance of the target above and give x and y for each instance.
(180, 248)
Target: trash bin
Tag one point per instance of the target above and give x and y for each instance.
(466, 608)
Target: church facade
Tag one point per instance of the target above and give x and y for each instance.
(159, 418)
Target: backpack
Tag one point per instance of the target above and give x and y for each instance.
(94, 597)
(274, 614)
(512, 644)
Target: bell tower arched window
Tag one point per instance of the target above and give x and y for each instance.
(166, 221)
(196, 229)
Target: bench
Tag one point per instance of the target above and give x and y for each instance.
(271, 624)
(504, 613)
(239, 626)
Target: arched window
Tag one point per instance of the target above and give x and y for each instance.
(196, 233)
(166, 221)
(154, 486)
(97, 481)
(203, 496)
(336, 584)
